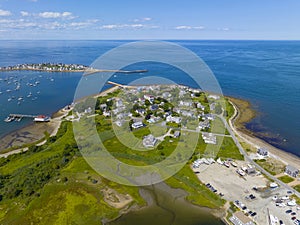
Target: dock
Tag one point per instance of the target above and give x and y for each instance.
(18, 117)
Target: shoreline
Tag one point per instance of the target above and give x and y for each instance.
(248, 136)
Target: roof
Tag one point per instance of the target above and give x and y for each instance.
(241, 216)
(291, 168)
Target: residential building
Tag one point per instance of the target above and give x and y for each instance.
(149, 141)
(177, 134)
(204, 124)
(137, 125)
(173, 119)
(209, 138)
(263, 152)
(292, 171)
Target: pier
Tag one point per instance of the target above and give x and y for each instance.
(19, 117)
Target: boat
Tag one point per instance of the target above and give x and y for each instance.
(9, 119)
(9, 99)
(20, 98)
(41, 118)
(29, 95)
(52, 79)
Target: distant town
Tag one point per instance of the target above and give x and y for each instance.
(50, 67)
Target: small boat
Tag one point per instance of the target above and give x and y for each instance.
(9, 119)
(9, 99)
(52, 79)
(20, 98)
(19, 103)
(29, 95)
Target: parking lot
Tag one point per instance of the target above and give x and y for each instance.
(251, 193)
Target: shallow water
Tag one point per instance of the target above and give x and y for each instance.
(167, 206)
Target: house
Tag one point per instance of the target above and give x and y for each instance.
(208, 116)
(176, 134)
(140, 111)
(173, 119)
(149, 141)
(103, 107)
(200, 106)
(209, 138)
(150, 98)
(137, 125)
(119, 103)
(186, 103)
(292, 171)
(204, 124)
(166, 95)
(215, 97)
(119, 123)
(106, 114)
(263, 152)
(239, 218)
(153, 107)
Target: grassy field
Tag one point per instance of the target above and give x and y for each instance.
(273, 166)
(53, 184)
(297, 188)
(286, 179)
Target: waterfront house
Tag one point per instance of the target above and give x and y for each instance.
(291, 171)
(204, 124)
(263, 152)
(149, 141)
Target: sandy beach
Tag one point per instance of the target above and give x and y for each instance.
(244, 114)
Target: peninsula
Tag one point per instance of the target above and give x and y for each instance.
(237, 181)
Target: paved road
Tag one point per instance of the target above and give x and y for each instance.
(232, 132)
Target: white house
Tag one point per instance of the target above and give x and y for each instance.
(173, 119)
(209, 138)
(204, 124)
(137, 125)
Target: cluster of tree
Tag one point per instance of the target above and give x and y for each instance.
(29, 179)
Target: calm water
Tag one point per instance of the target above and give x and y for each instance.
(267, 73)
(167, 206)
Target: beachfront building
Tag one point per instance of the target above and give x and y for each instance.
(239, 218)
(263, 152)
(149, 141)
(291, 171)
(209, 138)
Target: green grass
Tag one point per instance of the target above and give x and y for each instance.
(286, 179)
(297, 188)
(272, 166)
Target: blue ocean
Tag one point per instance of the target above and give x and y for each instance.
(266, 73)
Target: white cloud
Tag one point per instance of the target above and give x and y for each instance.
(127, 26)
(142, 19)
(224, 29)
(5, 13)
(55, 15)
(24, 13)
(189, 28)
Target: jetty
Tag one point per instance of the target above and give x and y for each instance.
(93, 71)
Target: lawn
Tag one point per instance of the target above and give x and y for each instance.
(286, 179)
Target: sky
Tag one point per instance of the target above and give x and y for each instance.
(153, 19)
